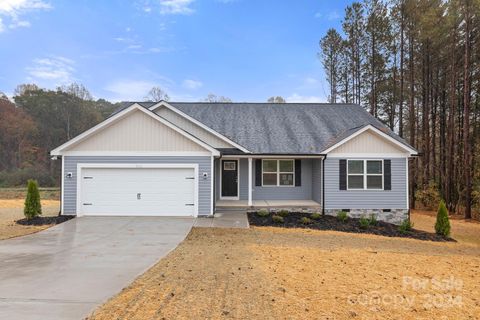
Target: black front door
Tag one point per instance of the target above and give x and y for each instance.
(230, 178)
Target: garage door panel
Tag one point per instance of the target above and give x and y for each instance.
(138, 191)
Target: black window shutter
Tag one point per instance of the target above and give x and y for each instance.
(298, 172)
(258, 172)
(343, 174)
(387, 174)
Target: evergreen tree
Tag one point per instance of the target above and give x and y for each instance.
(33, 207)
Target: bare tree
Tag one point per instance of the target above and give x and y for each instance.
(214, 98)
(157, 94)
(276, 99)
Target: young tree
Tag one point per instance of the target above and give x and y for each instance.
(442, 225)
(33, 207)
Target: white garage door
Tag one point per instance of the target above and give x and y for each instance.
(137, 191)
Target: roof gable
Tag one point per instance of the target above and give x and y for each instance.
(134, 129)
(368, 142)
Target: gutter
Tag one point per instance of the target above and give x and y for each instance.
(323, 184)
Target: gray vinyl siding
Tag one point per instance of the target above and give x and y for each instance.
(244, 178)
(366, 199)
(204, 165)
(303, 192)
(317, 180)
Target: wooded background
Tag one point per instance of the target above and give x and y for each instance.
(415, 66)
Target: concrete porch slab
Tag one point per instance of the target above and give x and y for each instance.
(267, 203)
(231, 219)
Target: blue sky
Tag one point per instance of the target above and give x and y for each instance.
(245, 50)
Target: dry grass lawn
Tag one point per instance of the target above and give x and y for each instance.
(273, 273)
(12, 210)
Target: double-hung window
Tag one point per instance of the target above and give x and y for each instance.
(278, 172)
(365, 174)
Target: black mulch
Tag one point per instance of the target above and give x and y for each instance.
(292, 220)
(40, 221)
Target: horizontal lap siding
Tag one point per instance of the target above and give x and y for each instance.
(366, 199)
(303, 192)
(204, 165)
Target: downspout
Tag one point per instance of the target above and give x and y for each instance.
(323, 184)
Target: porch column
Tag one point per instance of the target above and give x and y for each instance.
(249, 182)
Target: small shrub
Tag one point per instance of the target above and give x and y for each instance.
(342, 216)
(476, 199)
(262, 213)
(316, 216)
(429, 197)
(277, 219)
(442, 225)
(283, 213)
(33, 207)
(373, 220)
(306, 220)
(405, 226)
(364, 222)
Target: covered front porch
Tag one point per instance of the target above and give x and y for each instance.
(271, 182)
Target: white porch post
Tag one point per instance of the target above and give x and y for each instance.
(249, 182)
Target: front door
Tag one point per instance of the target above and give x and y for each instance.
(229, 178)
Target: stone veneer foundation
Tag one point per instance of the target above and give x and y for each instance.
(395, 216)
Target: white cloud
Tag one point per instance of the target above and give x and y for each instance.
(57, 70)
(176, 6)
(127, 90)
(11, 10)
(192, 84)
(333, 16)
(299, 98)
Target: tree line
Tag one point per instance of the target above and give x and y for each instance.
(37, 120)
(414, 64)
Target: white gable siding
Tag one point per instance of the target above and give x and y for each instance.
(368, 142)
(192, 128)
(137, 131)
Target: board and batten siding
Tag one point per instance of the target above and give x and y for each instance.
(204, 184)
(368, 142)
(192, 128)
(137, 131)
(366, 199)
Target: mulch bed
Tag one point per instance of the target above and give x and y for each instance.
(325, 222)
(41, 221)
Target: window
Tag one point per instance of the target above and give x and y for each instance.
(229, 165)
(365, 174)
(278, 172)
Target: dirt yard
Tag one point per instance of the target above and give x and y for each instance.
(12, 209)
(273, 273)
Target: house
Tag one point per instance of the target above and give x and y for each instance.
(193, 159)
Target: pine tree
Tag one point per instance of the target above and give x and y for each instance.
(33, 207)
(331, 51)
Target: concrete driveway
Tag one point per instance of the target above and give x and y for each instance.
(66, 271)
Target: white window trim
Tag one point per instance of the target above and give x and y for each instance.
(365, 175)
(278, 173)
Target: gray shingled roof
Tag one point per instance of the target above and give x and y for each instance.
(282, 128)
